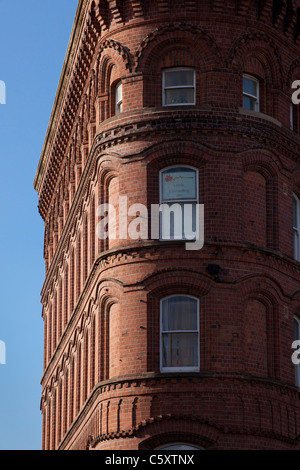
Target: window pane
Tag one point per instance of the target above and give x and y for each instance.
(180, 350)
(118, 92)
(179, 184)
(179, 78)
(179, 313)
(179, 96)
(250, 86)
(249, 103)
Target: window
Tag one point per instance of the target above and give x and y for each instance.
(180, 349)
(118, 98)
(297, 338)
(179, 218)
(179, 87)
(296, 226)
(250, 93)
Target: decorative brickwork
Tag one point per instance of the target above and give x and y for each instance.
(103, 387)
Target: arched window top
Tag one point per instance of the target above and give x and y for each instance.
(183, 296)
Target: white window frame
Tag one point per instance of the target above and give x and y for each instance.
(178, 69)
(179, 369)
(176, 201)
(119, 103)
(253, 97)
(297, 366)
(296, 229)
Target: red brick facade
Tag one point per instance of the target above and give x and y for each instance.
(102, 384)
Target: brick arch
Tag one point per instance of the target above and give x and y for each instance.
(113, 50)
(264, 285)
(293, 74)
(166, 282)
(167, 429)
(268, 292)
(257, 323)
(107, 166)
(196, 40)
(261, 226)
(107, 169)
(261, 46)
(113, 61)
(175, 46)
(266, 163)
(165, 155)
(257, 62)
(108, 58)
(108, 293)
(173, 152)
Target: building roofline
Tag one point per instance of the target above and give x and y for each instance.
(71, 51)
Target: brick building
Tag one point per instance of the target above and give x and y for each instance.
(148, 344)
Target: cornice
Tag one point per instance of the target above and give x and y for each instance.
(55, 128)
(62, 86)
(197, 121)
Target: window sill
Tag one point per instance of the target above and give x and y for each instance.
(178, 105)
(257, 114)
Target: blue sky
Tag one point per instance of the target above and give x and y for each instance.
(33, 41)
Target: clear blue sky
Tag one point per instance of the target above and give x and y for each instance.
(33, 41)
